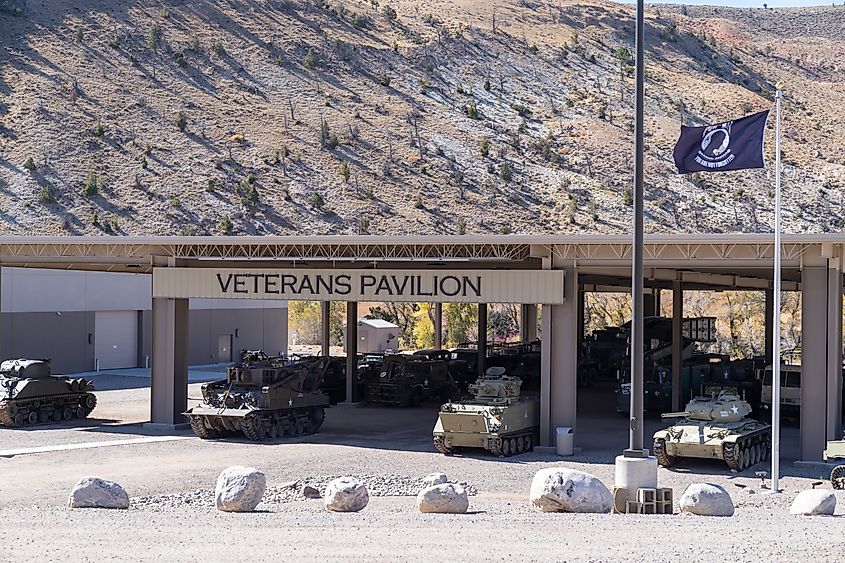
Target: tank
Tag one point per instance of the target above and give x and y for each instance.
(409, 380)
(495, 418)
(263, 397)
(30, 394)
(715, 426)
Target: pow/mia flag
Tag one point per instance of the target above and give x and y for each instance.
(733, 145)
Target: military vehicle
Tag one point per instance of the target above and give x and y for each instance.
(495, 418)
(714, 427)
(835, 451)
(408, 380)
(31, 394)
(263, 397)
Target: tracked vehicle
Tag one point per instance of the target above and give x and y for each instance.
(714, 427)
(495, 418)
(409, 380)
(263, 397)
(30, 394)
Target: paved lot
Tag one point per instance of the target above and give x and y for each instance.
(372, 441)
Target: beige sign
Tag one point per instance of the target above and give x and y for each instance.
(448, 286)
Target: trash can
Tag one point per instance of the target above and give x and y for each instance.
(565, 440)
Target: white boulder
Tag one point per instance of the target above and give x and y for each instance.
(346, 494)
(707, 499)
(559, 489)
(93, 492)
(239, 489)
(445, 498)
(434, 479)
(814, 502)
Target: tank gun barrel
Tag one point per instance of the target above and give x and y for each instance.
(681, 414)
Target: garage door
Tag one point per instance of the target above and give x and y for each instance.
(116, 339)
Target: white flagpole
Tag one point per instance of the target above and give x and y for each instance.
(776, 316)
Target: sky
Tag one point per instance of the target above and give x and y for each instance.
(742, 3)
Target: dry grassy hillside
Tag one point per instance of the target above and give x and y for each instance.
(428, 116)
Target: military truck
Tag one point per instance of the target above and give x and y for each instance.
(715, 426)
(408, 380)
(263, 397)
(30, 394)
(495, 417)
(835, 451)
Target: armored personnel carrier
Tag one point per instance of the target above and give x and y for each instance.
(263, 397)
(409, 380)
(495, 418)
(715, 427)
(31, 394)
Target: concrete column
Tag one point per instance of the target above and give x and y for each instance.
(648, 304)
(657, 302)
(818, 377)
(438, 326)
(528, 322)
(677, 342)
(351, 347)
(482, 338)
(580, 313)
(564, 356)
(169, 382)
(546, 379)
(770, 322)
(325, 309)
(833, 426)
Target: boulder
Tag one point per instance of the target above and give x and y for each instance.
(346, 494)
(559, 489)
(93, 492)
(310, 491)
(239, 489)
(434, 479)
(445, 498)
(814, 502)
(707, 499)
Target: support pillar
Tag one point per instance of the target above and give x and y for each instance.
(351, 348)
(657, 294)
(580, 304)
(482, 338)
(438, 326)
(169, 373)
(325, 328)
(546, 379)
(821, 365)
(770, 323)
(677, 341)
(648, 304)
(528, 323)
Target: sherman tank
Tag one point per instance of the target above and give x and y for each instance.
(30, 394)
(495, 418)
(263, 397)
(715, 426)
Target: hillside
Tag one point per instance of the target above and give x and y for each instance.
(425, 117)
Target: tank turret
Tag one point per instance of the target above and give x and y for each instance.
(495, 387)
(725, 407)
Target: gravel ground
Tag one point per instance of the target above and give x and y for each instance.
(173, 517)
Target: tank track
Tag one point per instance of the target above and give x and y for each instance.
(440, 446)
(748, 451)
(837, 477)
(262, 425)
(659, 450)
(514, 444)
(51, 409)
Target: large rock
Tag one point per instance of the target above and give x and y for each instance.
(93, 492)
(434, 479)
(815, 502)
(445, 498)
(707, 499)
(239, 489)
(559, 489)
(346, 494)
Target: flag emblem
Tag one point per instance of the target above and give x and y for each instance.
(733, 145)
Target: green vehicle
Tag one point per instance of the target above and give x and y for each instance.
(408, 380)
(263, 397)
(495, 418)
(30, 394)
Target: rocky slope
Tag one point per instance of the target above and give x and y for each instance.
(431, 117)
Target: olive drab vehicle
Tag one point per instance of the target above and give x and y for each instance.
(263, 397)
(31, 394)
(835, 452)
(408, 380)
(495, 418)
(715, 427)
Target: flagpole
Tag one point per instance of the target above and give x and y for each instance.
(777, 305)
